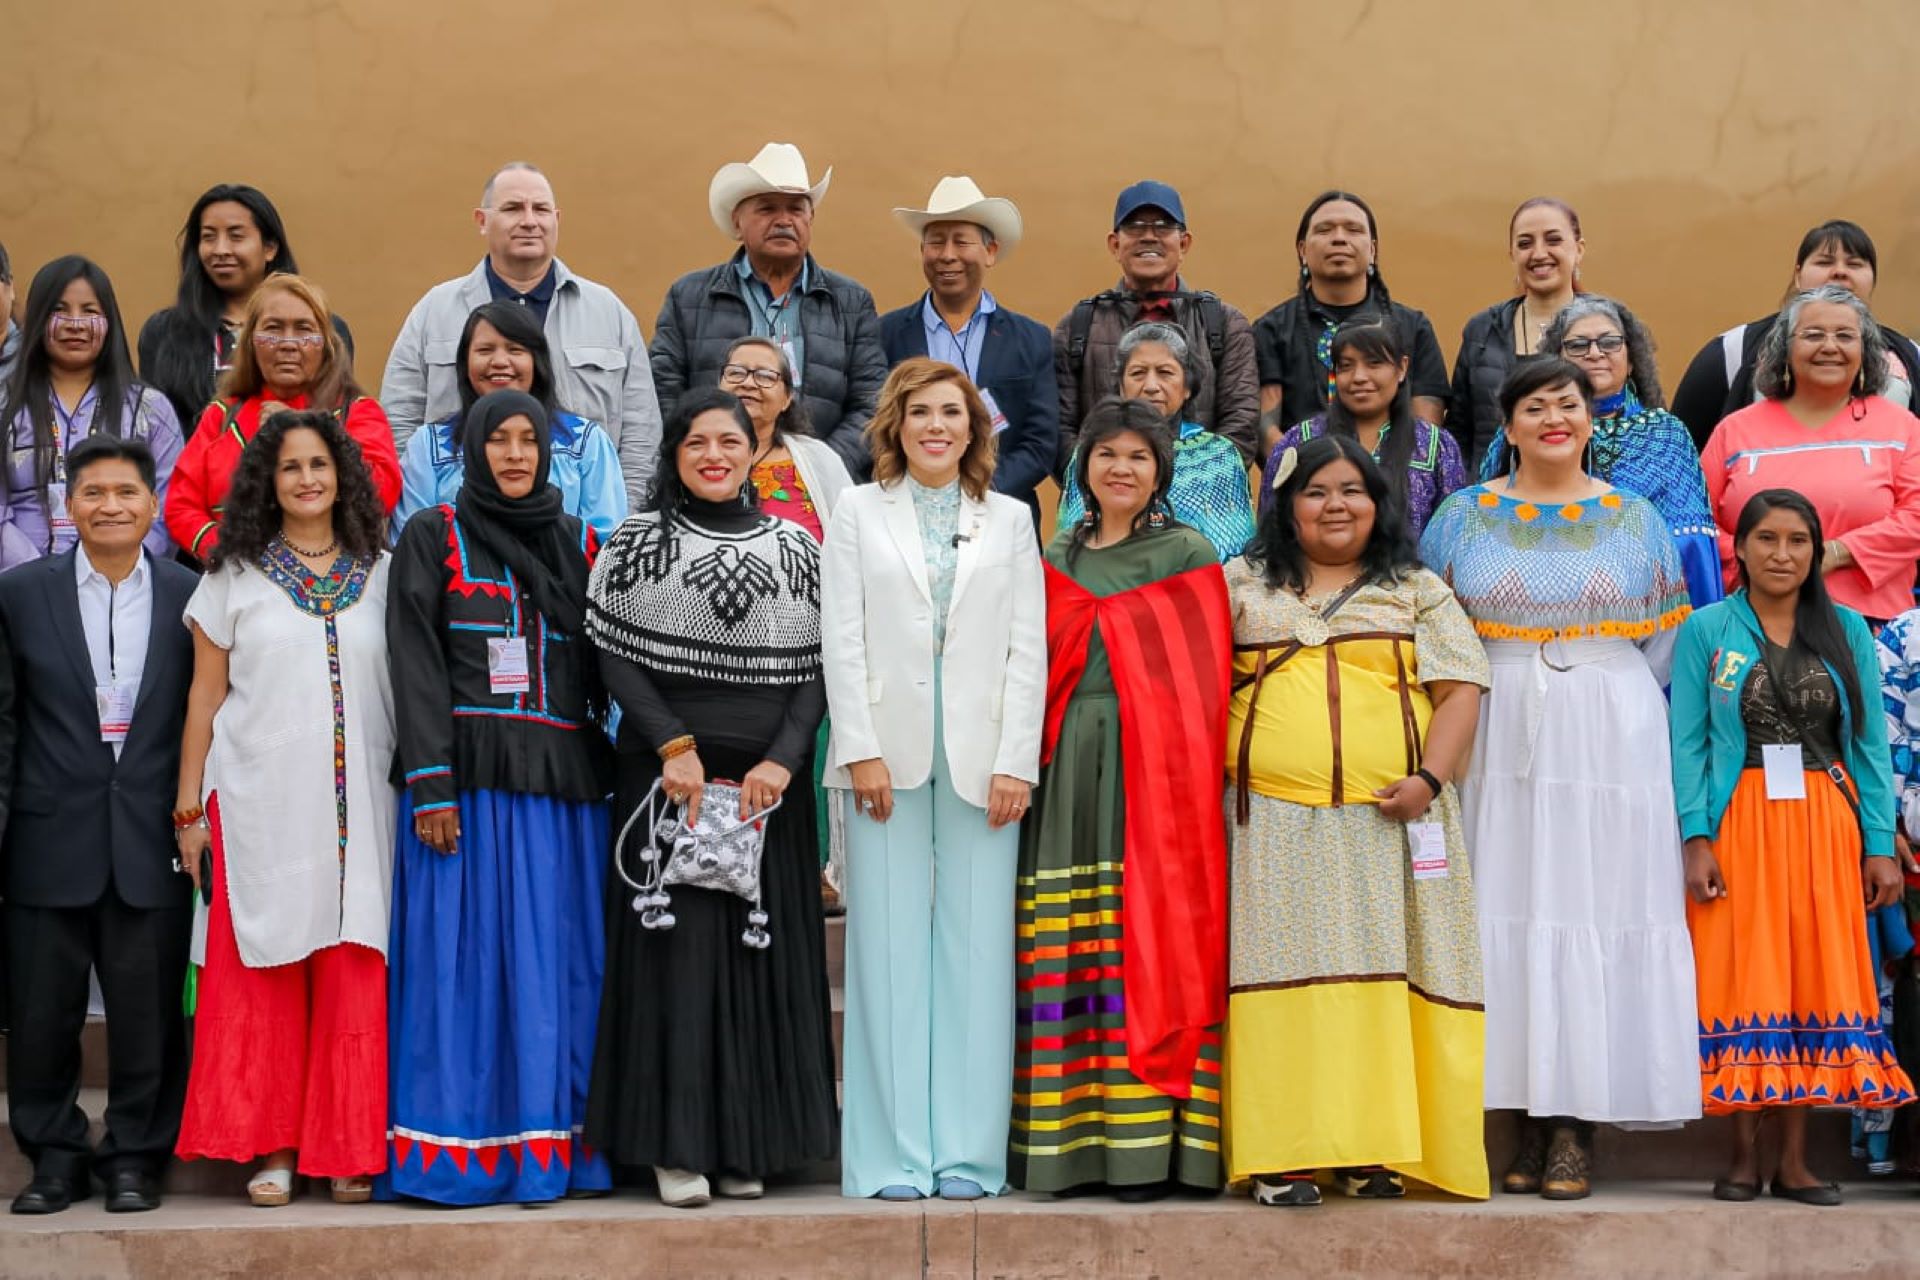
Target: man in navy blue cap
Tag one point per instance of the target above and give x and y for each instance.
(1150, 240)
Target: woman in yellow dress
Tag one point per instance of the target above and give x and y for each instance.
(1354, 1023)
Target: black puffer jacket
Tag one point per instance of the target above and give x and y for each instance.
(842, 362)
(1486, 358)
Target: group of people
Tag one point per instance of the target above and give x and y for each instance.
(471, 754)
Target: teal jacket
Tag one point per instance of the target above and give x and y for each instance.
(1713, 658)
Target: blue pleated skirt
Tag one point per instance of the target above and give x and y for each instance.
(494, 970)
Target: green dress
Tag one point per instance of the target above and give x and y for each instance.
(1080, 1115)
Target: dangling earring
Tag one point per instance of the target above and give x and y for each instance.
(746, 495)
(1306, 276)
(1158, 514)
(1786, 381)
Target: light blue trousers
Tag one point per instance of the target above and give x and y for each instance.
(929, 1032)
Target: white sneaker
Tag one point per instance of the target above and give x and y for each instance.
(734, 1187)
(682, 1188)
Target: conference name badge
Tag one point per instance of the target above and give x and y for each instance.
(115, 704)
(507, 664)
(997, 419)
(1427, 843)
(1786, 779)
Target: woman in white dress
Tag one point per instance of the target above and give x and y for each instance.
(1577, 591)
(288, 744)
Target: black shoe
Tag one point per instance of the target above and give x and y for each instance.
(132, 1191)
(1824, 1194)
(49, 1194)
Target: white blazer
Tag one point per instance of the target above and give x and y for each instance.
(876, 639)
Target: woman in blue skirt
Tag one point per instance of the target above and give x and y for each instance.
(497, 946)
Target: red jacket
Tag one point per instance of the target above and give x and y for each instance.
(197, 491)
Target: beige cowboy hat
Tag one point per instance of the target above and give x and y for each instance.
(959, 199)
(778, 167)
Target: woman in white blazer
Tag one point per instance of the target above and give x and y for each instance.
(933, 630)
(798, 477)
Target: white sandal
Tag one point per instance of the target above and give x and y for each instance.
(270, 1188)
(352, 1190)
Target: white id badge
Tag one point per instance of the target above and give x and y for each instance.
(115, 702)
(1786, 777)
(1427, 842)
(994, 416)
(58, 521)
(793, 358)
(197, 941)
(507, 664)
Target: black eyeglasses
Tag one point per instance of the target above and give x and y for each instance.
(1610, 343)
(1158, 227)
(736, 374)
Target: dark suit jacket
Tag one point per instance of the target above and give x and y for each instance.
(79, 818)
(1016, 364)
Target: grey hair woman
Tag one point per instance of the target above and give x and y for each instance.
(1642, 374)
(1823, 428)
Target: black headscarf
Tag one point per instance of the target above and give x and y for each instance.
(532, 535)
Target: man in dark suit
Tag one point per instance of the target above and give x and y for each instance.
(93, 694)
(1007, 356)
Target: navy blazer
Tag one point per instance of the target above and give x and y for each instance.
(1016, 364)
(81, 820)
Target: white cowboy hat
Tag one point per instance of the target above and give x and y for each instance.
(778, 167)
(960, 200)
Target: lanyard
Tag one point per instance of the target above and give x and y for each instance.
(113, 667)
(962, 344)
(771, 311)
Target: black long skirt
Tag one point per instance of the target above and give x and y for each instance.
(714, 1056)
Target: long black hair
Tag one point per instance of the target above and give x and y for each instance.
(1110, 418)
(1850, 238)
(666, 494)
(252, 516)
(30, 390)
(1276, 550)
(1378, 339)
(1816, 623)
(177, 347)
(517, 325)
(1376, 283)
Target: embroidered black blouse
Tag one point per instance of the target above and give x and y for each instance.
(446, 598)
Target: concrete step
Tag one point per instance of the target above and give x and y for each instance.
(1696, 1154)
(1639, 1229)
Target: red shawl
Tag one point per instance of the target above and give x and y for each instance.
(1170, 644)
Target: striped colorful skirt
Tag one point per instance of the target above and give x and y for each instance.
(1789, 1010)
(1080, 1115)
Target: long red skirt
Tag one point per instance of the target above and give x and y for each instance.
(290, 1056)
(1789, 1013)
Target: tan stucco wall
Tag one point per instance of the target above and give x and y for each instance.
(1698, 139)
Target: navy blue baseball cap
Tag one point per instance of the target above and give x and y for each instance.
(1149, 195)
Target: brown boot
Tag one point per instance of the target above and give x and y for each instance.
(1529, 1162)
(1569, 1173)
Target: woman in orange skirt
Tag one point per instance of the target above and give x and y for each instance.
(1782, 777)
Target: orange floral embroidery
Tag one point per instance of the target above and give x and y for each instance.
(1572, 511)
(1487, 499)
(1526, 513)
(1611, 501)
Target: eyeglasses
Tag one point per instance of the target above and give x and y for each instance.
(1820, 337)
(1158, 227)
(735, 374)
(272, 340)
(1610, 343)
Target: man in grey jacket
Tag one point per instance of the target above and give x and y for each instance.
(599, 354)
(824, 322)
(1150, 241)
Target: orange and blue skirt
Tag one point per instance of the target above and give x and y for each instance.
(1789, 1011)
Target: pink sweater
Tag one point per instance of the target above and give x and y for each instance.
(1862, 474)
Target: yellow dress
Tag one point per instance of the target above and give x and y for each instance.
(1355, 1031)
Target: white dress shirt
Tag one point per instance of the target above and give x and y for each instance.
(118, 620)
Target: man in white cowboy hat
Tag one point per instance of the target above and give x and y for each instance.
(962, 234)
(599, 354)
(824, 322)
(1149, 241)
